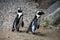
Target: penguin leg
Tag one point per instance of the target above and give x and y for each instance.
(29, 30)
(17, 27)
(14, 27)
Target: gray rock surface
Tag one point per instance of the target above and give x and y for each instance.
(53, 7)
(54, 18)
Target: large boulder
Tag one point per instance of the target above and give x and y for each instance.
(54, 18)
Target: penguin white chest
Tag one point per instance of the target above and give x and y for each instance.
(33, 27)
(19, 15)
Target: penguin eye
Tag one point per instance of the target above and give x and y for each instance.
(39, 13)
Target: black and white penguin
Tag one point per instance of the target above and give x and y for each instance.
(34, 25)
(18, 20)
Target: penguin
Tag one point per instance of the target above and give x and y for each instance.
(34, 25)
(18, 21)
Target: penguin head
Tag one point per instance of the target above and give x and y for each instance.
(39, 13)
(19, 12)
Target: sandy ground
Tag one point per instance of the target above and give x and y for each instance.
(40, 34)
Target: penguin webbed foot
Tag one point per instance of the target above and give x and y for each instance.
(13, 29)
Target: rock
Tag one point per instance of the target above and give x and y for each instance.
(53, 7)
(54, 18)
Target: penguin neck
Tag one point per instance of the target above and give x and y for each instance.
(37, 17)
(19, 15)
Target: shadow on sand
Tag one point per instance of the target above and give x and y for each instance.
(39, 34)
(22, 31)
(36, 33)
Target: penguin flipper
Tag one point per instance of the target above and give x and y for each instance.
(22, 24)
(38, 27)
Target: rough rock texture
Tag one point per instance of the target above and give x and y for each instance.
(54, 18)
(44, 4)
(53, 7)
